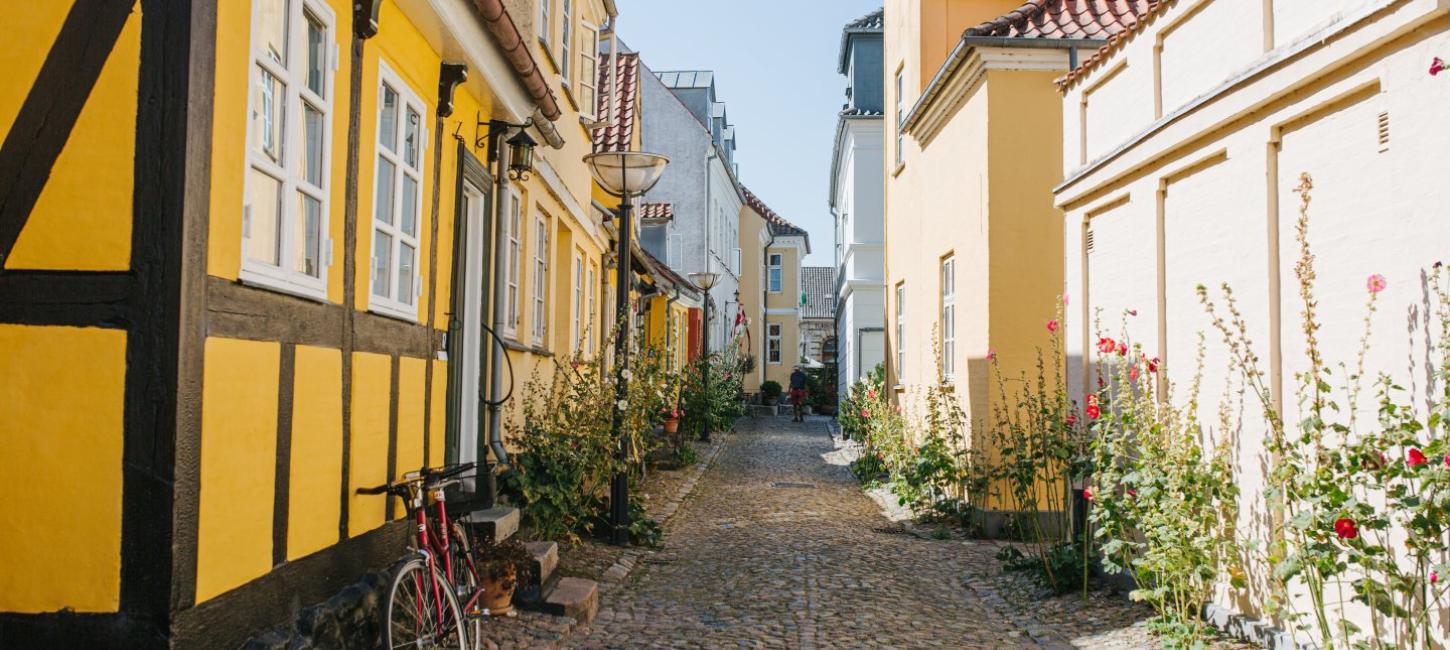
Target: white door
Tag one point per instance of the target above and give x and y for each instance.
(470, 403)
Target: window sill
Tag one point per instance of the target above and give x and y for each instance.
(270, 283)
(899, 388)
(899, 167)
(395, 313)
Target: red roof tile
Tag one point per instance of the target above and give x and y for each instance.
(1065, 19)
(778, 224)
(1156, 8)
(617, 108)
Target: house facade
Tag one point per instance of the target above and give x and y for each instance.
(1185, 141)
(972, 235)
(268, 278)
(857, 201)
(688, 124)
(775, 334)
(818, 314)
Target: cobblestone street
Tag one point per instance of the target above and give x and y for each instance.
(778, 547)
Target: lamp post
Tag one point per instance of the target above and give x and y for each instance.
(706, 280)
(625, 174)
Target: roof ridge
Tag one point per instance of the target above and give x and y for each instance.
(1156, 8)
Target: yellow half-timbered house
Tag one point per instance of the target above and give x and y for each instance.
(251, 253)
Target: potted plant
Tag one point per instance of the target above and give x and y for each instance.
(672, 420)
(770, 392)
(499, 566)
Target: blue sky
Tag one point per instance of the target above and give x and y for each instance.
(775, 68)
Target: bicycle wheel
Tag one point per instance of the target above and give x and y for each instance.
(466, 581)
(420, 616)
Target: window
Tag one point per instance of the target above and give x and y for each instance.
(593, 290)
(541, 279)
(588, 70)
(544, 21)
(735, 261)
(948, 318)
(514, 259)
(285, 204)
(900, 114)
(566, 36)
(900, 330)
(772, 272)
(578, 333)
(772, 343)
(397, 199)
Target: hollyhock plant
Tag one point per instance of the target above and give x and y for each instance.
(991, 354)
(1345, 528)
(1376, 283)
(1107, 345)
(1122, 349)
(1087, 494)
(1415, 457)
(1093, 412)
(1437, 65)
(1052, 325)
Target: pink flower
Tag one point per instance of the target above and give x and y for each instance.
(1133, 372)
(1132, 492)
(1087, 494)
(865, 413)
(1132, 312)
(991, 354)
(1376, 283)
(1345, 528)
(1122, 349)
(1151, 363)
(1107, 345)
(1064, 300)
(870, 394)
(1434, 577)
(1436, 66)
(898, 410)
(1052, 325)
(1415, 457)
(1447, 460)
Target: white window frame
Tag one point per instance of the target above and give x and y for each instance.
(773, 343)
(282, 276)
(900, 114)
(774, 272)
(592, 288)
(948, 317)
(900, 330)
(588, 70)
(544, 22)
(407, 100)
(566, 37)
(513, 257)
(541, 279)
(577, 335)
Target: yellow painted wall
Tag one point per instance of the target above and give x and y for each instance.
(438, 416)
(752, 268)
(82, 218)
(368, 463)
(238, 464)
(789, 297)
(60, 445)
(316, 454)
(411, 374)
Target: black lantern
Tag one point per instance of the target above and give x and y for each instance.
(521, 155)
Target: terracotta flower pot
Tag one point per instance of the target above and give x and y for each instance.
(672, 425)
(498, 594)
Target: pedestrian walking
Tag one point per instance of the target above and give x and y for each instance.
(798, 394)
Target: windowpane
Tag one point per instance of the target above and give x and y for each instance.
(264, 209)
(410, 206)
(382, 262)
(316, 56)
(312, 124)
(405, 274)
(307, 236)
(388, 122)
(271, 26)
(383, 209)
(410, 139)
(269, 115)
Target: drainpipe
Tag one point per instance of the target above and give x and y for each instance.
(500, 313)
(710, 155)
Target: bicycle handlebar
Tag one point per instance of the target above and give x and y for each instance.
(427, 474)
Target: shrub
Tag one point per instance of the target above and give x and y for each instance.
(770, 390)
(718, 403)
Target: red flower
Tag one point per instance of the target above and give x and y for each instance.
(1122, 349)
(1447, 460)
(1437, 66)
(1345, 528)
(1093, 411)
(1132, 492)
(1087, 494)
(991, 354)
(1434, 577)
(1071, 419)
(865, 414)
(871, 394)
(1133, 373)
(1376, 283)
(1415, 457)
(1106, 345)
(1152, 364)
(1132, 312)
(1052, 325)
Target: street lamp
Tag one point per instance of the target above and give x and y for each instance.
(624, 174)
(706, 280)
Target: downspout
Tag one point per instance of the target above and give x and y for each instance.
(500, 313)
(710, 155)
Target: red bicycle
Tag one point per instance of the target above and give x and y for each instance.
(423, 608)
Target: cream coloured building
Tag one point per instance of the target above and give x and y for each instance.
(770, 290)
(1184, 142)
(973, 137)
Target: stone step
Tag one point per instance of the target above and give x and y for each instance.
(577, 598)
(544, 557)
(498, 523)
